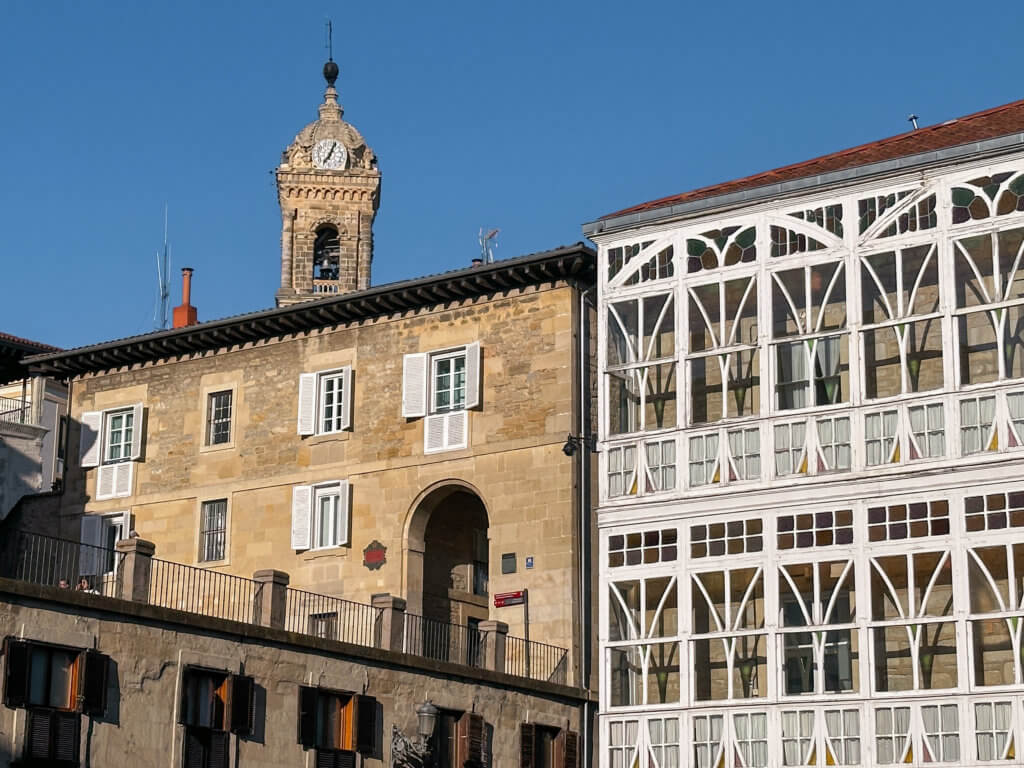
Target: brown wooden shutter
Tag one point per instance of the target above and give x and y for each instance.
(16, 659)
(307, 716)
(65, 736)
(243, 705)
(37, 737)
(365, 728)
(92, 682)
(218, 755)
(567, 749)
(527, 745)
(470, 738)
(194, 749)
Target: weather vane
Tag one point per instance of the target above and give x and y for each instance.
(330, 41)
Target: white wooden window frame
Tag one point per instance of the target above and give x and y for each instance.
(851, 249)
(114, 477)
(212, 420)
(312, 416)
(339, 522)
(305, 513)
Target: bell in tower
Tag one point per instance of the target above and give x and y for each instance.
(328, 186)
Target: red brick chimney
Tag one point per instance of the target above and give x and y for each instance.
(186, 313)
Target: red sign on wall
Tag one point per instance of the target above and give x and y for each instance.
(503, 599)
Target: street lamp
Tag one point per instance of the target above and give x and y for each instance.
(426, 715)
(416, 753)
(573, 444)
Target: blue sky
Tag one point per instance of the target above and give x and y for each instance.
(531, 117)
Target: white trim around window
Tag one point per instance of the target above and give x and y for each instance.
(325, 401)
(321, 515)
(112, 441)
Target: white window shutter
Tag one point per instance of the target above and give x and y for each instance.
(89, 443)
(136, 431)
(414, 385)
(92, 528)
(344, 510)
(105, 481)
(349, 396)
(126, 524)
(123, 474)
(456, 431)
(302, 508)
(434, 432)
(307, 403)
(473, 378)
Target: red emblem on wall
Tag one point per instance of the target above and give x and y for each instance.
(375, 555)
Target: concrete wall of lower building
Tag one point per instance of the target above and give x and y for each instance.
(149, 647)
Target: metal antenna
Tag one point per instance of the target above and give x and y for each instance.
(161, 316)
(487, 244)
(913, 120)
(330, 41)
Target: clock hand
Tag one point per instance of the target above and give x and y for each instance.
(330, 153)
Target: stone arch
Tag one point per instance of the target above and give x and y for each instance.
(446, 553)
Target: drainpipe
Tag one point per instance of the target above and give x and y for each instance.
(583, 475)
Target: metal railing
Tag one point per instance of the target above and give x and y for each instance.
(443, 641)
(53, 562)
(17, 410)
(199, 590)
(537, 661)
(331, 618)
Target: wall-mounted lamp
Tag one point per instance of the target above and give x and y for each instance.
(573, 444)
(416, 753)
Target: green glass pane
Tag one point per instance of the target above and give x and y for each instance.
(962, 196)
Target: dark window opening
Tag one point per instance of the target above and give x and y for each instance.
(326, 254)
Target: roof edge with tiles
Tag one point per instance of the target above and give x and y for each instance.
(573, 262)
(990, 131)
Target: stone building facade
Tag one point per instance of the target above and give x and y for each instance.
(289, 439)
(811, 419)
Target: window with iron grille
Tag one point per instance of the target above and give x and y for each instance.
(218, 417)
(213, 531)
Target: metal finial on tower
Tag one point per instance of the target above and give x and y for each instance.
(330, 68)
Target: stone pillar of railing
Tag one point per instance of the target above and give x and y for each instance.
(271, 598)
(136, 567)
(391, 636)
(493, 634)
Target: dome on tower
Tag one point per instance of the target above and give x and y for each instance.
(329, 125)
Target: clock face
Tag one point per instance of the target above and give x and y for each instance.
(329, 154)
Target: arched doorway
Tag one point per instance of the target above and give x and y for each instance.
(447, 556)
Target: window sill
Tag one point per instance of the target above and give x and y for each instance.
(217, 448)
(316, 554)
(213, 564)
(323, 437)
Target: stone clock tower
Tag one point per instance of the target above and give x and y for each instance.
(328, 186)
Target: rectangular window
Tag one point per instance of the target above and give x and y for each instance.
(336, 724)
(941, 732)
(324, 625)
(213, 530)
(834, 442)
(703, 460)
(915, 520)
(332, 402)
(892, 735)
(51, 676)
(212, 705)
(815, 529)
(448, 377)
(330, 529)
(790, 453)
(661, 465)
(118, 433)
(927, 423)
(218, 417)
(622, 471)
(881, 446)
(622, 741)
(994, 511)
(745, 453)
(993, 730)
(732, 538)
(642, 548)
(976, 417)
